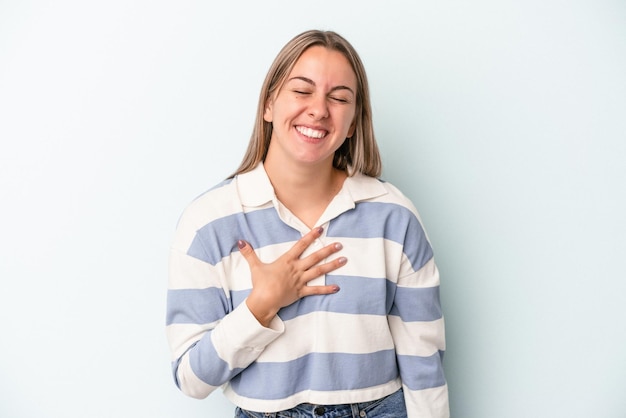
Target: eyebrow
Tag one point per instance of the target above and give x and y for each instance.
(311, 82)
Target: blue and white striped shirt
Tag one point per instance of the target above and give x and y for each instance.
(383, 330)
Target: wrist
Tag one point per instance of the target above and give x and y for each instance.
(260, 311)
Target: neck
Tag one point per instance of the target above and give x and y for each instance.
(306, 190)
(304, 181)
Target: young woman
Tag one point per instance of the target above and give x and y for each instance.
(303, 285)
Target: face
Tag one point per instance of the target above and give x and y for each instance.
(314, 111)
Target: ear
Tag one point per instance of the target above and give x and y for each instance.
(352, 129)
(268, 113)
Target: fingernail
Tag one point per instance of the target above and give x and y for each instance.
(241, 244)
(342, 260)
(335, 289)
(338, 246)
(320, 230)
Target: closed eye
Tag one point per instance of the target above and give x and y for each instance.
(339, 99)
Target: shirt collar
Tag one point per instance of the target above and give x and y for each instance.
(362, 187)
(255, 188)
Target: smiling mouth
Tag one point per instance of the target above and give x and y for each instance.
(311, 133)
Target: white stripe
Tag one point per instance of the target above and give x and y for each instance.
(430, 336)
(187, 272)
(333, 333)
(239, 270)
(212, 205)
(315, 397)
(427, 403)
(181, 336)
(370, 253)
(239, 338)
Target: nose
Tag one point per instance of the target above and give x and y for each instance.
(318, 107)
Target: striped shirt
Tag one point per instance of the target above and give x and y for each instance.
(383, 330)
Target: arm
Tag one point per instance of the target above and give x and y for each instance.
(417, 326)
(209, 341)
(211, 344)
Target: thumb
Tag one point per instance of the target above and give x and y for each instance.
(248, 253)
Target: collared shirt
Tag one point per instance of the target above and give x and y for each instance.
(383, 330)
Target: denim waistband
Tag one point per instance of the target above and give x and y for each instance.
(391, 406)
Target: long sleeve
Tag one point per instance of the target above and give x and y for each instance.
(211, 339)
(417, 325)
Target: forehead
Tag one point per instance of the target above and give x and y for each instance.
(323, 65)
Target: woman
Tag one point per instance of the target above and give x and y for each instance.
(303, 284)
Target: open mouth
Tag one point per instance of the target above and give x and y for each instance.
(311, 133)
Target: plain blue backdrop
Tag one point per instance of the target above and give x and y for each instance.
(504, 121)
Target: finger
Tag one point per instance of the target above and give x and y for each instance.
(321, 269)
(248, 253)
(319, 255)
(319, 290)
(304, 242)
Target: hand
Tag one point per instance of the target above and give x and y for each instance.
(283, 282)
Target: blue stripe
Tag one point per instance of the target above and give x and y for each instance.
(358, 295)
(218, 239)
(422, 372)
(390, 221)
(317, 371)
(417, 304)
(196, 306)
(207, 364)
(175, 365)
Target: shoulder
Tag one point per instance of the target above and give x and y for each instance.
(245, 192)
(376, 190)
(212, 203)
(217, 202)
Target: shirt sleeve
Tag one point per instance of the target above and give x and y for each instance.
(417, 326)
(210, 342)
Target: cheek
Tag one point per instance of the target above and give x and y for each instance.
(280, 111)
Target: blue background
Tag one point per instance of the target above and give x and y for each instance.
(504, 121)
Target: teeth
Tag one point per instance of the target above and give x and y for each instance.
(311, 133)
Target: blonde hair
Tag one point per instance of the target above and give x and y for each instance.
(359, 153)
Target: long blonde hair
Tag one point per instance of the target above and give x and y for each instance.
(359, 153)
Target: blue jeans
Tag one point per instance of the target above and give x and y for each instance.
(391, 406)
